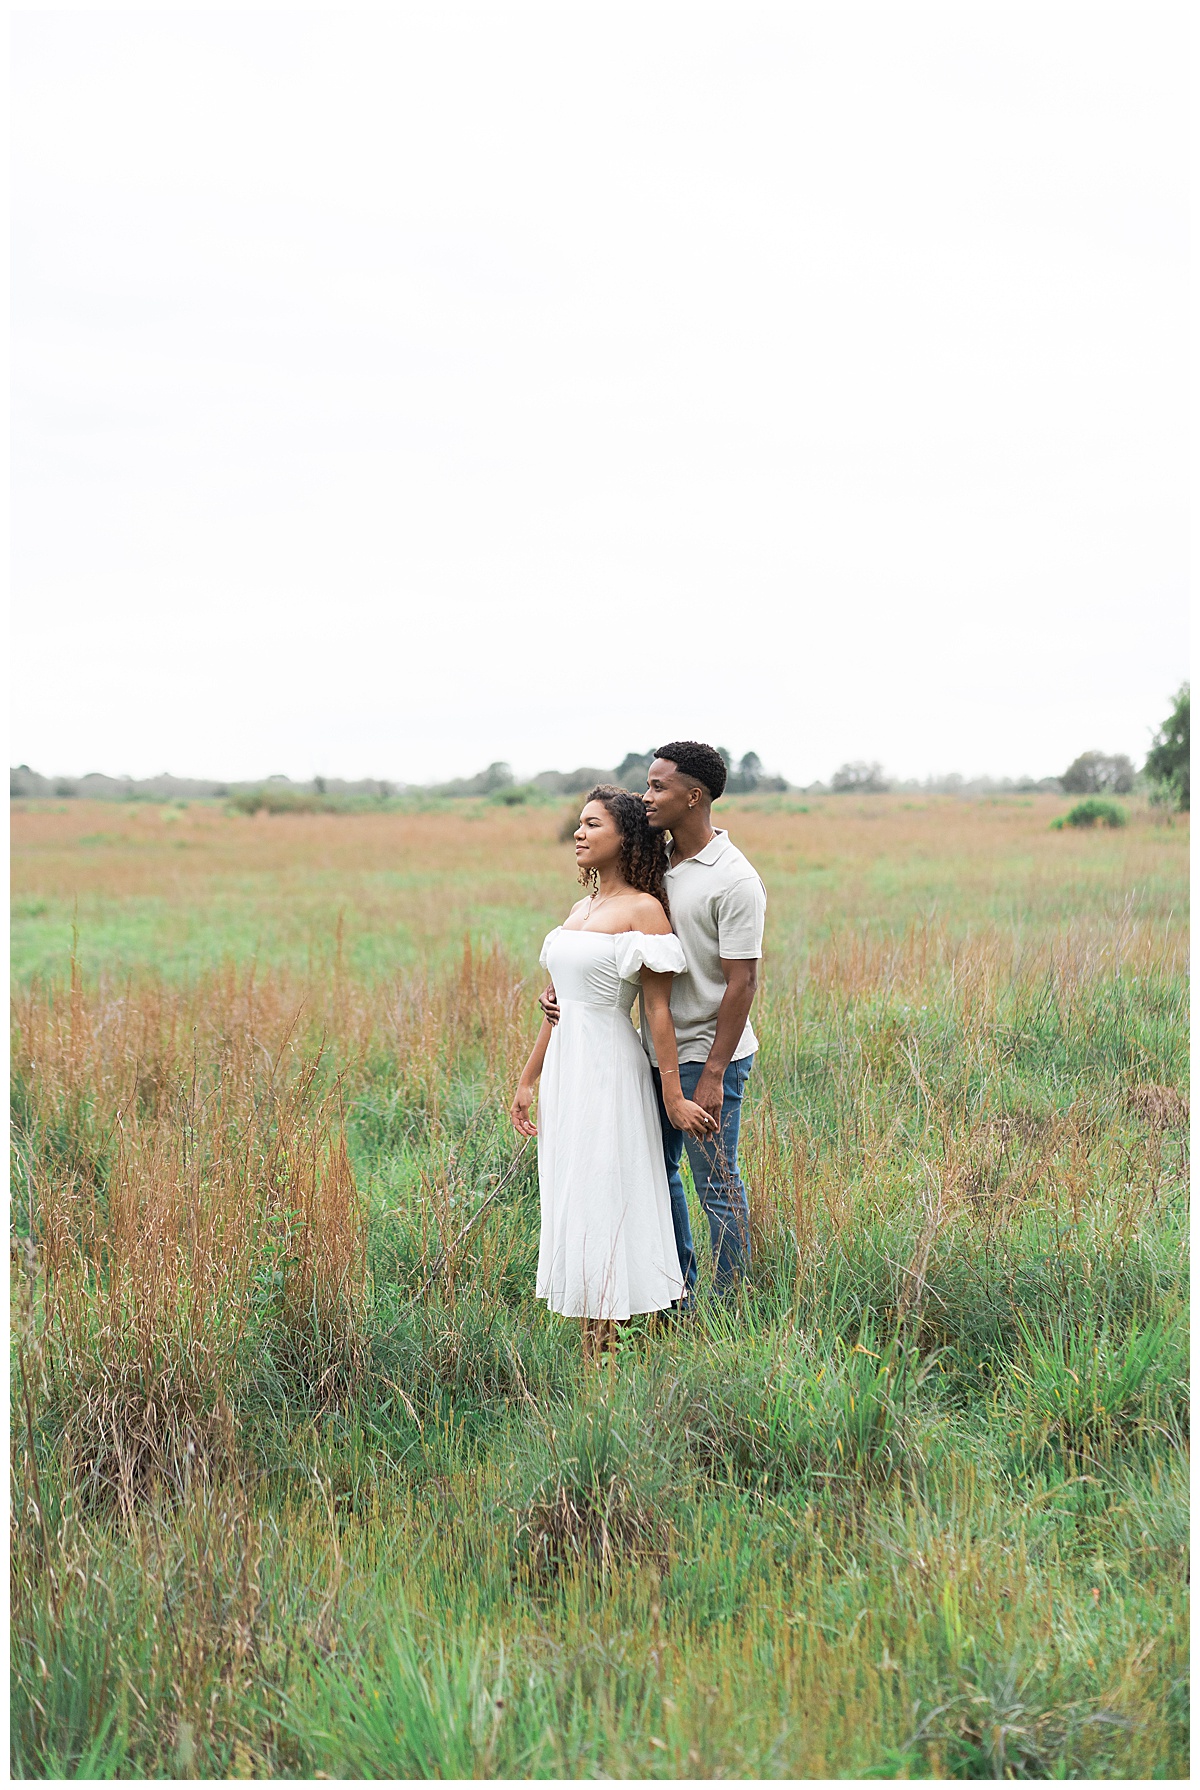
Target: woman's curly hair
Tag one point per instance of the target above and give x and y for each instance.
(643, 851)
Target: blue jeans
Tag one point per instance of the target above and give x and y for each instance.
(715, 1172)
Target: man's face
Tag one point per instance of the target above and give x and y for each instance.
(669, 798)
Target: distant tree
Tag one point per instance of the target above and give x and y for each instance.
(747, 777)
(726, 757)
(631, 772)
(577, 782)
(497, 776)
(859, 778)
(1097, 774)
(1169, 761)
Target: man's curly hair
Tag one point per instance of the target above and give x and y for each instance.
(702, 763)
(643, 852)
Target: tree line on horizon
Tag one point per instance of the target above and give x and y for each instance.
(1165, 777)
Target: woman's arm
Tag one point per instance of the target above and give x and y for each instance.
(523, 1098)
(684, 1114)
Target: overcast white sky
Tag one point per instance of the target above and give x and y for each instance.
(399, 391)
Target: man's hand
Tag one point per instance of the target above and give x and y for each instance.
(548, 1002)
(741, 980)
(710, 1092)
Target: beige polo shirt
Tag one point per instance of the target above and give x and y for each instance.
(718, 904)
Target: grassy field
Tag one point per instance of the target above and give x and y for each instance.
(306, 1483)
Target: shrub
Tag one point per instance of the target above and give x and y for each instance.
(1094, 811)
(279, 801)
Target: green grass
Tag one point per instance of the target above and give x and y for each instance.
(915, 1506)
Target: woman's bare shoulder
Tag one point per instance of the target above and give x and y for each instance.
(649, 914)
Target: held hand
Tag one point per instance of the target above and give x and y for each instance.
(548, 1002)
(519, 1111)
(687, 1116)
(710, 1094)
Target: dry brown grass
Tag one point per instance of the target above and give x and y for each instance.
(174, 1143)
(184, 1161)
(427, 879)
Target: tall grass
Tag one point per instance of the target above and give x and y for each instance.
(303, 1479)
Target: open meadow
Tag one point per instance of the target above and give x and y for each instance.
(305, 1482)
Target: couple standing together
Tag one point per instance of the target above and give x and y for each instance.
(683, 929)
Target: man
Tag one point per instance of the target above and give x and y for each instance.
(717, 907)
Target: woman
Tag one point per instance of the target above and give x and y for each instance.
(607, 1244)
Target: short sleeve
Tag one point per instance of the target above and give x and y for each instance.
(651, 950)
(741, 910)
(546, 947)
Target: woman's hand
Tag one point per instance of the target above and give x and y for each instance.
(685, 1115)
(519, 1110)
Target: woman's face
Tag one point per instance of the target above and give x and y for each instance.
(597, 838)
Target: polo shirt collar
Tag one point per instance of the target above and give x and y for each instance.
(712, 851)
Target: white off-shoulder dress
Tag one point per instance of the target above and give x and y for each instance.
(607, 1243)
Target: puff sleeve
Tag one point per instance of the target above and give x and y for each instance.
(653, 950)
(546, 946)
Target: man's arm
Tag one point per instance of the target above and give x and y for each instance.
(741, 984)
(740, 914)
